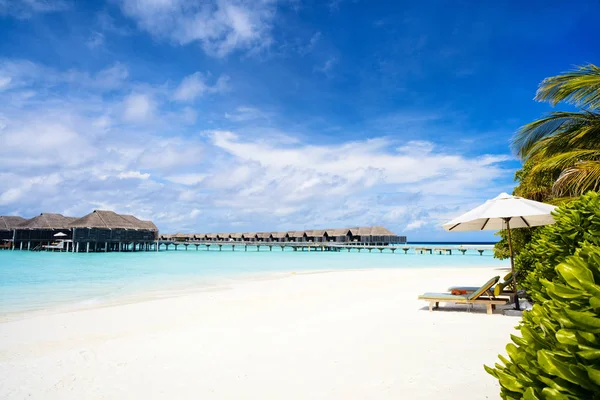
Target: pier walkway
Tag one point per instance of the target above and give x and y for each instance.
(316, 246)
(170, 245)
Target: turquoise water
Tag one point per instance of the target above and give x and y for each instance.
(42, 280)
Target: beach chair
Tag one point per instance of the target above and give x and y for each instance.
(475, 297)
(505, 288)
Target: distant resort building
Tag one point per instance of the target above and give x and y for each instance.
(103, 231)
(374, 235)
(7, 229)
(98, 231)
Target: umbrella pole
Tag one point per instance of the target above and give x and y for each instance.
(512, 264)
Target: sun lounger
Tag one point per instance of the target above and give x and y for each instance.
(435, 299)
(501, 289)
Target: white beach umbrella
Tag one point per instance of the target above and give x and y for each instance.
(60, 234)
(504, 212)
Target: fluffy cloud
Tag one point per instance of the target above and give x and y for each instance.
(26, 8)
(195, 85)
(138, 107)
(219, 26)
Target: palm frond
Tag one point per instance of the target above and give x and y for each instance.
(572, 123)
(578, 179)
(580, 87)
(563, 161)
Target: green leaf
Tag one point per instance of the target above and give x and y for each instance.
(566, 336)
(574, 272)
(594, 375)
(531, 395)
(590, 355)
(553, 366)
(585, 320)
(553, 394)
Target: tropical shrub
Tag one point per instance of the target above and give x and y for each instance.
(558, 353)
(576, 222)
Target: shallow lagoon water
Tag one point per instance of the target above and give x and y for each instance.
(43, 280)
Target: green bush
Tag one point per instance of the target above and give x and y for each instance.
(576, 222)
(558, 355)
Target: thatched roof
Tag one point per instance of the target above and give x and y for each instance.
(296, 234)
(103, 220)
(338, 232)
(381, 231)
(47, 221)
(278, 235)
(356, 231)
(141, 224)
(8, 223)
(180, 235)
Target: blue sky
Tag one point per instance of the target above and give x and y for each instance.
(263, 115)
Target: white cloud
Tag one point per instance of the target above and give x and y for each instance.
(193, 86)
(4, 82)
(243, 114)
(327, 66)
(133, 175)
(220, 27)
(137, 107)
(24, 73)
(415, 225)
(187, 179)
(23, 9)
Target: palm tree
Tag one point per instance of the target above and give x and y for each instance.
(565, 145)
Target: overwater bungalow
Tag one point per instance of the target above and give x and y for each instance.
(43, 230)
(8, 224)
(316, 235)
(142, 224)
(181, 237)
(279, 236)
(337, 235)
(250, 236)
(103, 230)
(224, 237)
(237, 237)
(297, 236)
(264, 237)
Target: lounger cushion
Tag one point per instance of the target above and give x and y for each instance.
(443, 297)
(467, 288)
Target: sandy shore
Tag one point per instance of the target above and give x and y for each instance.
(337, 335)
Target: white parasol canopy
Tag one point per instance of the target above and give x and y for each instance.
(60, 234)
(492, 215)
(504, 212)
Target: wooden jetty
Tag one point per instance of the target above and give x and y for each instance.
(166, 245)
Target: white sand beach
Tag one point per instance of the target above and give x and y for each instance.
(336, 335)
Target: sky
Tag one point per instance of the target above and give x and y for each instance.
(263, 115)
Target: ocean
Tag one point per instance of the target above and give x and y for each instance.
(31, 281)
